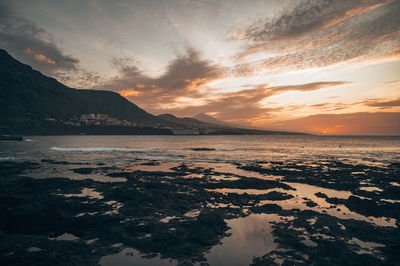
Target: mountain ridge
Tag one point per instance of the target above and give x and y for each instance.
(32, 103)
(27, 93)
(212, 120)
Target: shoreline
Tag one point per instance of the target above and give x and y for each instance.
(150, 203)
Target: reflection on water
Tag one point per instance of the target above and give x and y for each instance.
(130, 256)
(65, 237)
(227, 148)
(306, 193)
(251, 236)
(183, 188)
(151, 166)
(243, 191)
(86, 192)
(371, 189)
(366, 247)
(304, 190)
(233, 170)
(34, 249)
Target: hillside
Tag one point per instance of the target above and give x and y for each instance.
(28, 94)
(209, 119)
(32, 103)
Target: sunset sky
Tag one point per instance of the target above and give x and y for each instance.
(322, 66)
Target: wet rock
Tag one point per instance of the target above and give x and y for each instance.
(201, 149)
(49, 161)
(83, 171)
(9, 168)
(310, 203)
(321, 195)
(275, 195)
(90, 170)
(267, 208)
(331, 236)
(151, 163)
(147, 213)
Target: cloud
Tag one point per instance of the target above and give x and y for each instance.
(380, 123)
(384, 104)
(305, 17)
(185, 76)
(33, 45)
(246, 106)
(314, 34)
(184, 90)
(394, 82)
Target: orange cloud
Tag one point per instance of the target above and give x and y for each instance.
(394, 82)
(351, 13)
(43, 58)
(185, 78)
(129, 92)
(39, 57)
(381, 123)
(245, 106)
(390, 103)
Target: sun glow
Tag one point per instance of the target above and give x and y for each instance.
(129, 92)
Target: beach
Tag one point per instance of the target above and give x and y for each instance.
(204, 200)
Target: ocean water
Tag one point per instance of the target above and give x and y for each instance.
(229, 149)
(248, 190)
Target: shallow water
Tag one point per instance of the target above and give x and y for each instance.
(372, 150)
(223, 200)
(251, 237)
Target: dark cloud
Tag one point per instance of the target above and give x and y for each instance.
(189, 70)
(304, 18)
(32, 45)
(80, 78)
(384, 104)
(323, 33)
(185, 76)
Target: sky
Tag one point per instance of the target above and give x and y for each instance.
(319, 66)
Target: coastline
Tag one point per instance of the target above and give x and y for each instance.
(113, 206)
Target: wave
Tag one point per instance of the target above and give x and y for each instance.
(7, 158)
(29, 140)
(106, 149)
(174, 158)
(164, 158)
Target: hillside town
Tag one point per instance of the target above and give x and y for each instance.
(107, 121)
(100, 120)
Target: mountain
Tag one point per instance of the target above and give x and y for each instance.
(188, 121)
(209, 119)
(205, 124)
(212, 120)
(28, 94)
(32, 103)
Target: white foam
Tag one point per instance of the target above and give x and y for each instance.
(104, 149)
(7, 158)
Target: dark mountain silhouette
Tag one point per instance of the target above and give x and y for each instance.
(182, 120)
(32, 103)
(28, 94)
(212, 120)
(216, 127)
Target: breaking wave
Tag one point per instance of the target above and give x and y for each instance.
(102, 149)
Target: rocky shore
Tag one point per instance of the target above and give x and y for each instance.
(321, 213)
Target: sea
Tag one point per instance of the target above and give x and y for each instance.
(211, 149)
(323, 186)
